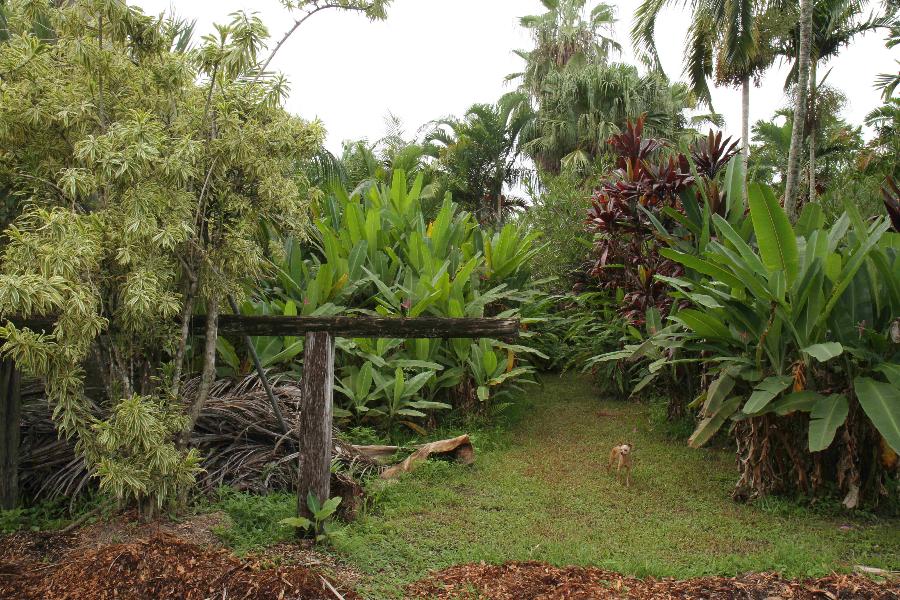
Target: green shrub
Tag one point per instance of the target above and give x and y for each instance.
(376, 254)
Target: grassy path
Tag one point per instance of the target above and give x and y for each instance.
(539, 491)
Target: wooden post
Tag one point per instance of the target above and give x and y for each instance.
(315, 420)
(10, 414)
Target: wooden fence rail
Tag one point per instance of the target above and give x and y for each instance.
(346, 327)
(317, 384)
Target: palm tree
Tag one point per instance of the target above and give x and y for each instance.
(563, 35)
(477, 156)
(835, 24)
(723, 40)
(581, 109)
(888, 82)
(803, 60)
(578, 97)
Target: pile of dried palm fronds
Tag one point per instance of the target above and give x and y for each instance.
(237, 433)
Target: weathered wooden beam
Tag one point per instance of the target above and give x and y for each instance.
(315, 420)
(10, 413)
(368, 327)
(346, 327)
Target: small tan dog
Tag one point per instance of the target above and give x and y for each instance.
(621, 456)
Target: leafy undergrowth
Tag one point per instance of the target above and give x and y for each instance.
(254, 521)
(539, 492)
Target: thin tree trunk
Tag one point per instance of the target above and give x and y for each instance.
(745, 130)
(812, 131)
(209, 372)
(10, 412)
(186, 312)
(790, 189)
(294, 28)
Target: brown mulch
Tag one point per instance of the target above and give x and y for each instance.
(161, 567)
(539, 581)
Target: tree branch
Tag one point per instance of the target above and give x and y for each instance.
(294, 28)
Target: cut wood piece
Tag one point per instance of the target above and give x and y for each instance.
(877, 572)
(459, 448)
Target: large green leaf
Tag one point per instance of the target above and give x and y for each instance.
(703, 266)
(766, 391)
(710, 425)
(725, 230)
(735, 180)
(857, 259)
(715, 395)
(827, 415)
(881, 401)
(891, 371)
(774, 234)
(798, 401)
(824, 352)
(703, 324)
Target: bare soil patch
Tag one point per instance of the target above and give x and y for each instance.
(539, 581)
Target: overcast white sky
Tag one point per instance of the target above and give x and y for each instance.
(433, 58)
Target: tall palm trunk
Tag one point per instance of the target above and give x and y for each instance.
(812, 130)
(745, 129)
(790, 189)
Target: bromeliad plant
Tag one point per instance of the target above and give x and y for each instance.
(795, 329)
(375, 253)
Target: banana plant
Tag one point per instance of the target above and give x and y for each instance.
(767, 308)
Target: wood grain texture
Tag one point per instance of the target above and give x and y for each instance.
(346, 327)
(315, 420)
(368, 327)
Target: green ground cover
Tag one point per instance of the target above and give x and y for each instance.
(539, 491)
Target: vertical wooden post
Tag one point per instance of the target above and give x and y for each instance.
(315, 420)
(10, 414)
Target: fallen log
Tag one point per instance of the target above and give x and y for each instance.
(459, 448)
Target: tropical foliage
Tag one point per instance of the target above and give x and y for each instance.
(579, 96)
(375, 253)
(795, 327)
(136, 170)
(150, 181)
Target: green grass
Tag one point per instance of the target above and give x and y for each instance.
(539, 491)
(254, 520)
(542, 493)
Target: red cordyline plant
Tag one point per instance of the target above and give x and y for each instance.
(626, 246)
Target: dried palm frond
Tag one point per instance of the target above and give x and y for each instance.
(237, 433)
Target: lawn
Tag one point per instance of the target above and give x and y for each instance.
(539, 491)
